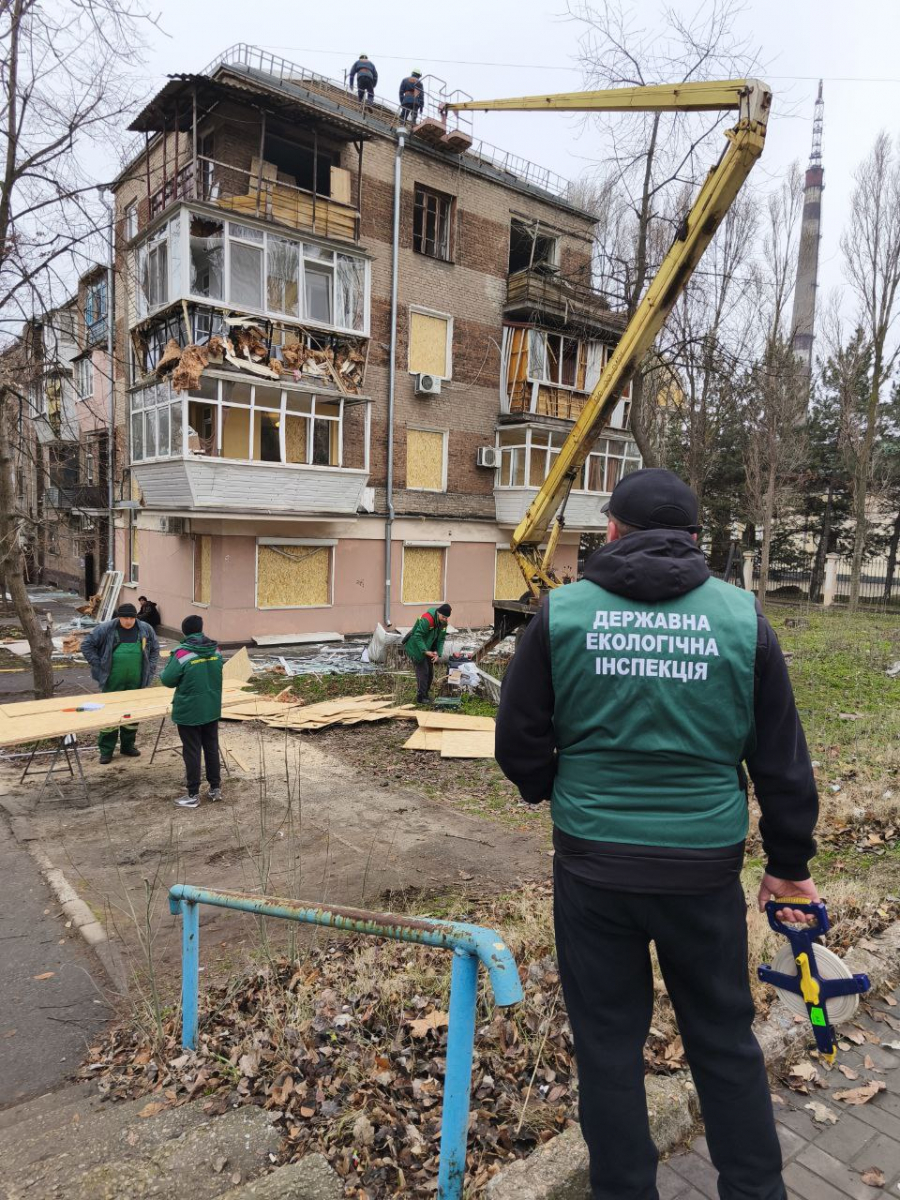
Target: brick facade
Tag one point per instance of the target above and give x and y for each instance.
(470, 289)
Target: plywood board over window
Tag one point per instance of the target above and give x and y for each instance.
(429, 344)
(425, 460)
(423, 575)
(290, 576)
(202, 569)
(509, 584)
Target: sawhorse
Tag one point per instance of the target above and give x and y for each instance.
(223, 751)
(67, 747)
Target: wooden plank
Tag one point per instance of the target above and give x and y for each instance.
(238, 666)
(425, 739)
(467, 743)
(430, 720)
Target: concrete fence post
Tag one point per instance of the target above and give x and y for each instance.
(831, 572)
(749, 556)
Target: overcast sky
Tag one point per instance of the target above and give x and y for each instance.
(494, 48)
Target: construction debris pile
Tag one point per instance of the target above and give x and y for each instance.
(249, 346)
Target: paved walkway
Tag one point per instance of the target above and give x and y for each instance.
(824, 1162)
(50, 1002)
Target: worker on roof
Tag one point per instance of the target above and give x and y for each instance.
(631, 703)
(424, 644)
(123, 654)
(363, 71)
(412, 97)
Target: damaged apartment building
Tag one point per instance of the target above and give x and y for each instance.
(63, 451)
(281, 477)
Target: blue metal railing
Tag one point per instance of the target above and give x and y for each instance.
(470, 944)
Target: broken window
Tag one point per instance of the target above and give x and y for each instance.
(156, 423)
(154, 269)
(309, 170)
(432, 215)
(430, 344)
(351, 292)
(282, 276)
(207, 257)
(292, 574)
(95, 311)
(532, 248)
(513, 449)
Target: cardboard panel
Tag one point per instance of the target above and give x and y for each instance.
(510, 583)
(467, 743)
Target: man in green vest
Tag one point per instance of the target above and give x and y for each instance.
(632, 703)
(123, 655)
(194, 670)
(424, 644)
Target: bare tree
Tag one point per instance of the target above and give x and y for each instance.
(649, 152)
(871, 246)
(65, 86)
(776, 397)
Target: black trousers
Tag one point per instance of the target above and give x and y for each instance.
(195, 738)
(603, 945)
(424, 679)
(366, 90)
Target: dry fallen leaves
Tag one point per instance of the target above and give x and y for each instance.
(848, 1072)
(46, 975)
(821, 1113)
(861, 1095)
(435, 1020)
(151, 1109)
(873, 1176)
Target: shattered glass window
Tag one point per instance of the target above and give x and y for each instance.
(207, 257)
(283, 276)
(351, 292)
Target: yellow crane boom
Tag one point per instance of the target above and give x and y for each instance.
(751, 99)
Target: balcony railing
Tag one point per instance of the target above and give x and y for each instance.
(258, 193)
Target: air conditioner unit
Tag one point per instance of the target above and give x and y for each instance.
(488, 456)
(174, 525)
(428, 385)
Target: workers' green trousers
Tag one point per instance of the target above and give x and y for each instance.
(127, 667)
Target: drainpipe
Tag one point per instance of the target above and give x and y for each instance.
(392, 380)
(110, 375)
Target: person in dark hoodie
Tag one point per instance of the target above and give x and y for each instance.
(194, 670)
(633, 700)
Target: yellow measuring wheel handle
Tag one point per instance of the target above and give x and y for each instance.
(809, 987)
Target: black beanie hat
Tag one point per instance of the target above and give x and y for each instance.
(126, 610)
(192, 624)
(445, 610)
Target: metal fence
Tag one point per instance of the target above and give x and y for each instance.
(800, 578)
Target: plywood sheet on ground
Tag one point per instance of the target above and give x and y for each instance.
(430, 720)
(425, 739)
(238, 667)
(467, 743)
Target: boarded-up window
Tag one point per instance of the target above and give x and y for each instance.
(293, 576)
(202, 568)
(429, 349)
(423, 574)
(509, 583)
(425, 460)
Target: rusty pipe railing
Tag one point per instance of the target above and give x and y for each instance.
(471, 945)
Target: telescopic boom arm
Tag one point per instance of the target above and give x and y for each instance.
(751, 99)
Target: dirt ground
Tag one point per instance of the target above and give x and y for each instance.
(298, 820)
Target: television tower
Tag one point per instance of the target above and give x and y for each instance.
(804, 315)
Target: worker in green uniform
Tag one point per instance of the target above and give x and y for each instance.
(194, 670)
(123, 654)
(424, 644)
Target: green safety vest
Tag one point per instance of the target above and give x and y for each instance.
(653, 714)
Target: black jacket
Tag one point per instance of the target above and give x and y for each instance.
(654, 566)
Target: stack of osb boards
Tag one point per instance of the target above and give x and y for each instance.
(352, 710)
(454, 735)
